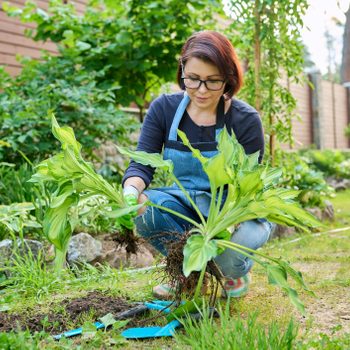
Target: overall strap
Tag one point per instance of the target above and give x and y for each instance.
(177, 118)
(220, 117)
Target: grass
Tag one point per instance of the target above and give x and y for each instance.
(265, 314)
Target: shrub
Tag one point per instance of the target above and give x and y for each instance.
(331, 162)
(56, 85)
(298, 175)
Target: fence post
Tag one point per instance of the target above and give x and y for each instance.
(347, 86)
(316, 109)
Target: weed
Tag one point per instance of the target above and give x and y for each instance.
(234, 333)
(29, 276)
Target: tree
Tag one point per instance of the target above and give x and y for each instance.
(267, 35)
(132, 44)
(345, 66)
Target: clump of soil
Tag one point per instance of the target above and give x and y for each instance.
(127, 239)
(73, 309)
(187, 285)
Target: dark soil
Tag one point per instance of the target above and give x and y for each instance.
(127, 240)
(69, 315)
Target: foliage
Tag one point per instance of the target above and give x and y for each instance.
(330, 162)
(76, 179)
(267, 36)
(327, 342)
(27, 341)
(29, 276)
(252, 193)
(129, 46)
(14, 187)
(298, 175)
(56, 84)
(90, 215)
(234, 333)
(16, 217)
(347, 131)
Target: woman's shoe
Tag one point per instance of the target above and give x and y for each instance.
(164, 291)
(236, 287)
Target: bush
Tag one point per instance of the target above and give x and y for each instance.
(298, 175)
(347, 131)
(331, 162)
(56, 85)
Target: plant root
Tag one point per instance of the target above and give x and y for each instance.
(187, 285)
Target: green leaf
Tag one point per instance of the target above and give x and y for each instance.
(188, 307)
(196, 153)
(69, 38)
(223, 235)
(294, 298)
(277, 275)
(88, 331)
(271, 176)
(121, 211)
(215, 168)
(83, 46)
(108, 320)
(65, 135)
(153, 159)
(65, 191)
(197, 252)
(55, 224)
(250, 182)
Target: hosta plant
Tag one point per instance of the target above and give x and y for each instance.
(15, 217)
(252, 193)
(76, 181)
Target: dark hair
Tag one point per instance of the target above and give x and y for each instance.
(214, 48)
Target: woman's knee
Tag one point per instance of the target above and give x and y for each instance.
(252, 234)
(233, 264)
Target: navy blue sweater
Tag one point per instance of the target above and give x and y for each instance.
(240, 117)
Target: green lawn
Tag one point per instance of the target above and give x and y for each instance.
(322, 257)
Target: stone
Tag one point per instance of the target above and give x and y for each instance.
(5, 251)
(25, 246)
(143, 258)
(316, 212)
(83, 248)
(29, 245)
(338, 184)
(116, 256)
(328, 211)
(282, 231)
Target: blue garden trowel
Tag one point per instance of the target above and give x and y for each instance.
(152, 332)
(166, 331)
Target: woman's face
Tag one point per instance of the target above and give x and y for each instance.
(201, 97)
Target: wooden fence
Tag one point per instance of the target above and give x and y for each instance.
(324, 110)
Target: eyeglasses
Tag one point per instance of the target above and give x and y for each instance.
(193, 83)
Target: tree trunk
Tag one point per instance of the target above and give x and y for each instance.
(345, 67)
(257, 57)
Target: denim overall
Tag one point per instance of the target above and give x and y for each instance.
(160, 227)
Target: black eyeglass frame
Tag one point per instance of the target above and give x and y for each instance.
(203, 82)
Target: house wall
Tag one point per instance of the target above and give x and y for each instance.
(13, 40)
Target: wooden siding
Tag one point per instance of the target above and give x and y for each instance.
(12, 36)
(302, 129)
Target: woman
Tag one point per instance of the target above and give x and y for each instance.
(210, 74)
